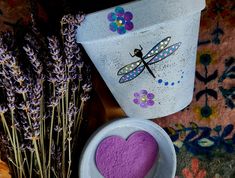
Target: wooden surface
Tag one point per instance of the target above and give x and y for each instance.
(4, 170)
(102, 106)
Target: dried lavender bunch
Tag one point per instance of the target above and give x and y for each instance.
(44, 100)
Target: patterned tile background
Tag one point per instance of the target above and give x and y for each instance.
(203, 133)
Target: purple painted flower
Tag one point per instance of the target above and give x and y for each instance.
(143, 98)
(120, 20)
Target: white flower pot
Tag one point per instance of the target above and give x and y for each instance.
(145, 51)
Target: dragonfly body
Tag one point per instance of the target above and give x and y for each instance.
(158, 53)
(138, 53)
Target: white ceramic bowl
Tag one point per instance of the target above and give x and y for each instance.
(165, 165)
(169, 28)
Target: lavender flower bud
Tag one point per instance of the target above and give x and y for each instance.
(54, 101)
(24, 106)
(87, 87)
(80, 64)
(22, 90)
(67, 19)
(30, 148)
(80, 77)
(3, 109)
(84, 97)
(79, 18)
(58, 128)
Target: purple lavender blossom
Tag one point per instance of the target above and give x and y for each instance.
(10, 91)
(34, 109)
(71, 49)
(3, 52)
(10, 69)
(58, 74)
(143, 98)
(45, 115)
(37, 66)
(74, 20)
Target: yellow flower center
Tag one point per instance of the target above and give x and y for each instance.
(119, 23)
(144, 99)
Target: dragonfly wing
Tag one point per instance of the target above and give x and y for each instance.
(131, 75)
(165, 53)
(129, 67)
(158, 48)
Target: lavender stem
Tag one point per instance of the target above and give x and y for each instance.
(50, 142)
(64, 137)
(37, 156)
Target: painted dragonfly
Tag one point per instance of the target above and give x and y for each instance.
(158, 53)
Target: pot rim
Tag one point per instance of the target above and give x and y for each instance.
(146, 13)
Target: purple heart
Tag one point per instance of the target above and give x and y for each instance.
(131, 158)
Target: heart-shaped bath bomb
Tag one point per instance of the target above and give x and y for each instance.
(131, 158)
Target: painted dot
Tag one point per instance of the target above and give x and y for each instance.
(136, 101)
(172, 83)
(137, 95)
(144, 92)
(121, 30)
(150, 102)
(119, 11)
(178, 82)
(166, 83)
(150, 95)
(143, 105)
(160, 81)
(113, 26)
(129, 25)
(112, 16)
(182, 76)
(128, 16)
